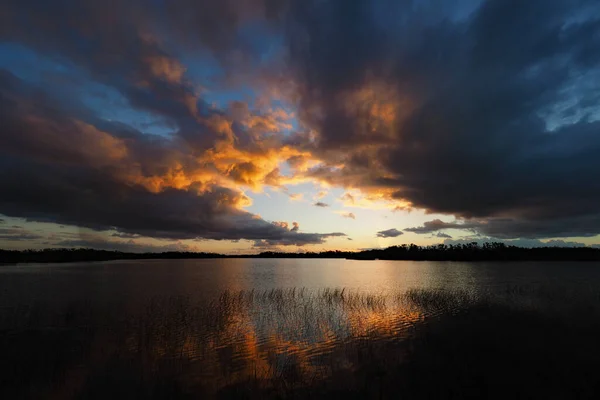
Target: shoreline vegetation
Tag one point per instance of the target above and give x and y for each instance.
(442, 252)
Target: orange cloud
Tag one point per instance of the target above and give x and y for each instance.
(281, 224)
(97, 145)
(320, 195)
(266, 123)
(296, 196)
(347, 197)
(233, 161)
(378, 106)
(167, 68)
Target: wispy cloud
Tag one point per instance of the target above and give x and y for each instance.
(442, 235)
(320, 195)
(15, 234)
(389, 233)
(348, 215)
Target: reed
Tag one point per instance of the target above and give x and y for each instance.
(294, 343)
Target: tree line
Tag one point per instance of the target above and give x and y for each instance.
(441, 252)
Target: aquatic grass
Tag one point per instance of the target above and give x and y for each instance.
(297, 342)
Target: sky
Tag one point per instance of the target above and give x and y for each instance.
(240, 126)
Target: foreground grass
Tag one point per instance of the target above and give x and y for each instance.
(522, 342)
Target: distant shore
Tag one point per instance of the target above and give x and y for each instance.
(461, 252)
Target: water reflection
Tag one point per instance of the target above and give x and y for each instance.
(240, 328)
(260, 336)
(285, 335)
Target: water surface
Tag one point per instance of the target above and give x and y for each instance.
(206, 327)
(202, 279)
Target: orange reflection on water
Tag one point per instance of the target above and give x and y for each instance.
(285, 336)
(269, 339)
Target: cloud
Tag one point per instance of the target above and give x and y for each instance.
(510, 228)
(389, 233)
(92, 178)
(16, 234)
(348, 215)
(454, 113)
(442, 235)
(296, 196)
(437, 225)
(572, 226)
(294, 238)
(125, 235)
(432, 107)
(211, 153)
(281, 224)
(131, 246)
(347, 197)
(321, 204)
(373, 200)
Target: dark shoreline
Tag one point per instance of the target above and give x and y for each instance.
(463, 252)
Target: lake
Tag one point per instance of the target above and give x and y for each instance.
(256, 328)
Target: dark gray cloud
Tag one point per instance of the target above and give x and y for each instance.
(572, 226)
(483, 106)
(437, 225)
(121, 57)
(510, 228)
(389, 233)
(137, 48)
(297, 239)
(83, 197)
(128, 247)
(321, 204)
(442, 235)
